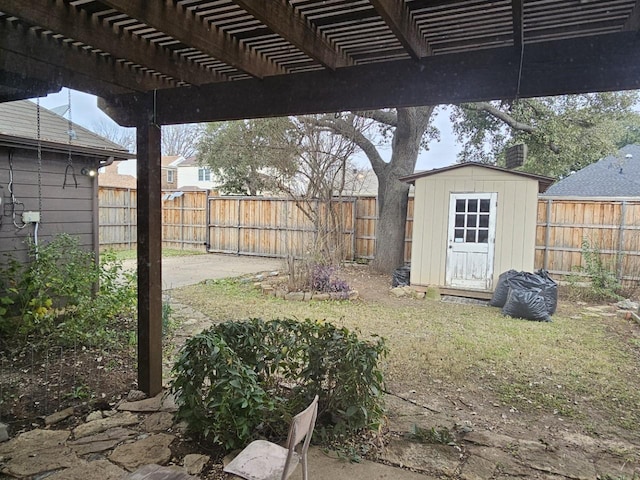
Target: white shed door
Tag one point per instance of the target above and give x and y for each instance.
(472, 232)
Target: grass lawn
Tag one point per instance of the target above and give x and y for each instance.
(581, 367)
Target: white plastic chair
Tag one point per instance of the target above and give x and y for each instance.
(263, 460)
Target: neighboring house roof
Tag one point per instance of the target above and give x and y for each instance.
(111, 178)
(362, 183)
(190, 162)
(18, 128)
(543, 182)
(171, 161)
(612, 176)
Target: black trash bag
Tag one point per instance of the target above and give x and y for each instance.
(502, 289)
(401, 277)
(550, 291)
(528, 304)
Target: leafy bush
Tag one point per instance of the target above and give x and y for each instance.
(604, 283)
(237, 380)
(323, 279)
(61, 293)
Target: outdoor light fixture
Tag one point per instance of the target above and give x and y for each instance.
(89, 172)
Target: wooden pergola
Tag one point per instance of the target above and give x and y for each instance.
(160, 62)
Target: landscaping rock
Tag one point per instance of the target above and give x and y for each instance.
(564, 462)
(96, 470)
(490, 439)
(57, 417)
(354, 295)
(477, 468)
(398, 292)
(157, 472)
(151, 450)
(97, 415)
(28, 463)
(122, 419)
(321, 296)
(101, 441)
(627, 304)
(294, 296)
(34, 441)
(136, 396)
(158, 422)
(434, 459)
(163, 402)
(194, 463)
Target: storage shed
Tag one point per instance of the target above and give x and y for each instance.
(56, 193)
(471, 222)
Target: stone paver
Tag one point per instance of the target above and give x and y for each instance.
(96, 470)
(151, 450)
(121, 419)
(102, 441)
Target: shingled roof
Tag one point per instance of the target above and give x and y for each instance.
(612, 176)
(18, 127)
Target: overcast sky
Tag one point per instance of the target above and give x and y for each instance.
(85, 112)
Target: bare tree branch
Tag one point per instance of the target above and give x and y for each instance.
(499, 114)
(348, 130)
(386, 117)
(509, 120)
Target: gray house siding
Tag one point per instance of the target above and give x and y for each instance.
(71, 210)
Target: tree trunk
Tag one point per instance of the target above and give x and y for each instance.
(393, 195)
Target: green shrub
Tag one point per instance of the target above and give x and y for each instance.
(604, 284)
(238, 380)
(61, 295)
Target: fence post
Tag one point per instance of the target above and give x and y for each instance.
(547, 236)
(129, 217)
(207, 222)
(353, 229)
(182, 222)
(239, 229)
(623, 214)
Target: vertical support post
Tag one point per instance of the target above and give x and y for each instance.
(547, 236)
(149, 253)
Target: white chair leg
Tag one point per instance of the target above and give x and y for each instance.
(303, 461)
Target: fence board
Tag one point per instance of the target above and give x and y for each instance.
(278, 227)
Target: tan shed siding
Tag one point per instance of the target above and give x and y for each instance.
(515, 220)
(68, 210)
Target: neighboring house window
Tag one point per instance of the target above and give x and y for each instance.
(204, 174)
(171, 176)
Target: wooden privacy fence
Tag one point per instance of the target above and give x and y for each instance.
(277, 227)
(608, 226)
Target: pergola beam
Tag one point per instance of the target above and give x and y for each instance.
(66, 20)
(24, 49)
(439, 79)
(399, 19)
(286, 21)
(189, 29)
(517, 13)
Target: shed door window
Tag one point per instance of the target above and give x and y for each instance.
(472, 220)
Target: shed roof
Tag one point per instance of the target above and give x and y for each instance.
(615, 175)
(543, 182)
(18, 127)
